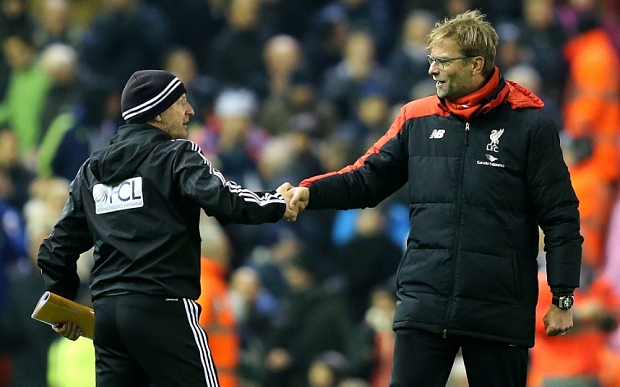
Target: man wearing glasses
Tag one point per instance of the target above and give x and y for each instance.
(485, 170)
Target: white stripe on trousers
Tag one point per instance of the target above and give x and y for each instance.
(191, 309)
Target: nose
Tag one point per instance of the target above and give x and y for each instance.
(433, 68)
(190, 110)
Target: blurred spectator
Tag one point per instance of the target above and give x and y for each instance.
(236, 52)
(611, 269)
(201, 89)
(343, 82)
(74, 135)
(301, 97)
(509, 50)
(335, 151)
(27, 93)
(127, 36)
(13, 251)
(194, 25)
(30, 340)
(14, 19)
(283, 58)
(500, 10)
(71, 364)
(325, 39)
(395, 222)
(369, 258)
(424, 88)
(595, 196)
(353, 382)
(60, 64)
(54, 25)
(371, 351)
(327, 369)
(407, 62)
(373, 16)
(592, 121)
(369, 119)
(528, 77)
(231, 140)
(256, 312)
(592, 105)
(289, 17)
(217, 317)
(19, 176)
(303, 131)
(455, 7)
(315, 321)
(542, 39)
(275, 161)
(48, 198)
(595, 315)
(273, 249)
(611, 20)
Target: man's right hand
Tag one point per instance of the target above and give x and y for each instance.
(290, 214)
(301, 198)
(69, 330)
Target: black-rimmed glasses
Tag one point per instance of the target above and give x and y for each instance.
(441, 62)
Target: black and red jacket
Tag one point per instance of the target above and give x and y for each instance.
(478, 190)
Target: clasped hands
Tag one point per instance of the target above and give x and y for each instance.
(296, 198)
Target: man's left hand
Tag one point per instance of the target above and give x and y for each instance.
(558, 321)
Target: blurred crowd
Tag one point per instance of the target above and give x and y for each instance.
(283, 90)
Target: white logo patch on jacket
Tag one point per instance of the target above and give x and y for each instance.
(118, 197)
(437, 133)
(495, 135)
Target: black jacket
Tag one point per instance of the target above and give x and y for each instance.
(478, 191)
(138, 202)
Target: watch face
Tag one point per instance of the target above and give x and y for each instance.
(566, 302)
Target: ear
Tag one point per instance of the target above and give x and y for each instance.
(157, 118)
(477, 65)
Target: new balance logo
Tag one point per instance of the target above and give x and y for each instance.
(437, 133)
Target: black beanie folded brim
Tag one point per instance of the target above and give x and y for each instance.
(149, 93)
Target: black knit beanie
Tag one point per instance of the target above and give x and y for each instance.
(149, 93)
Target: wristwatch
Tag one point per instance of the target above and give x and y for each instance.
(564, 302)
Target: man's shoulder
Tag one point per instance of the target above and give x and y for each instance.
(422, 107)
(182, 145)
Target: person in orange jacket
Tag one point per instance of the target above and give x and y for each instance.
(591, 114)
(583, 349)
(217, 318)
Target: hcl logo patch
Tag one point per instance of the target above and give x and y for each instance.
(122, 196)
(437, 133)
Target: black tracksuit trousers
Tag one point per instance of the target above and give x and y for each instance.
(425, 359)
(146, 341)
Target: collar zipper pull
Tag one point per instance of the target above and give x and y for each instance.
(467, 133)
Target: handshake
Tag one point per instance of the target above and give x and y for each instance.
(297, 199)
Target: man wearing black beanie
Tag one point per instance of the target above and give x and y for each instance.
(138, 202)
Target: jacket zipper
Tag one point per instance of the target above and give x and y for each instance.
(459, 203)
(466, 138)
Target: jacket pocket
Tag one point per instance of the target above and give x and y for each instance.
(485, 277)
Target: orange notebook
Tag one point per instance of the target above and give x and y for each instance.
(53, 309)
